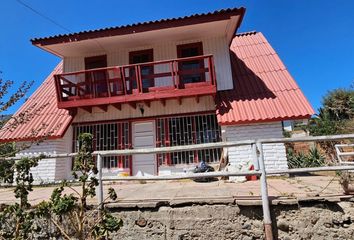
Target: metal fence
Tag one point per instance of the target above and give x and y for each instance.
(259, 166)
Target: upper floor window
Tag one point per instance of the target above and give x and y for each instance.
(96, 80)
(191, 50)
(96, 62)
(143, 56)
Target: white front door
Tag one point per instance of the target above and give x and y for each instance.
(144, 137)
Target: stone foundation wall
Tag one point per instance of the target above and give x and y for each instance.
(313, 221)
(308, 220)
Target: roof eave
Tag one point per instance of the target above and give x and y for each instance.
(141, 27)
(278, 119)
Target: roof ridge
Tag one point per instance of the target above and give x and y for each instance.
(253, 32)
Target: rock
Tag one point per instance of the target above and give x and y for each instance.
(150, 225)
(327, 224)
(246, 226)
(258, 224)
(314, 220)
(284, 226)
(141, 222)
(345, 225)
(346, 219)
(335, 222)
(247, 238)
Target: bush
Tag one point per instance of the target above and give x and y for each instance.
(70, 213)
(300, 160)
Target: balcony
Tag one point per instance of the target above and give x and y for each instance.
(145, 82)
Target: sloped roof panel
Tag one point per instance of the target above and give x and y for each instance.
(39, 117)
(263, 88)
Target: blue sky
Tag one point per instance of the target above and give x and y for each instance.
(315, 39)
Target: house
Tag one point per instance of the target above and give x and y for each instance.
(161, 83)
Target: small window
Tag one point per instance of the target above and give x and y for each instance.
(191, 50)
(96, 80)
(143, 56)
(96, 62)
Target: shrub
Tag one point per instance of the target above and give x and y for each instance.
(16, 220)
(70, 213)
(300, 160)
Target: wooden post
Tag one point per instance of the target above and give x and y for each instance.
(122, 73)
(267, 221)
(173, 75)
(210, 68)
(99, 189)
(177, 77)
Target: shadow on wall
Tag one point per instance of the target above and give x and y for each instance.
(247, 86)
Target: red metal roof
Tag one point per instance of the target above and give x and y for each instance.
(142, 26)
(263, 88)
(263, 91)
(43, 118)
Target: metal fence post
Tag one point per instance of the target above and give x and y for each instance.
(99, 189)
(254, 156)
(267, 221)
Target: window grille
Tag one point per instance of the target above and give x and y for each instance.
(170, 131)
(107, 136)
(186, 130)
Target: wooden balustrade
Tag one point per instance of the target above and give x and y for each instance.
(137, 82)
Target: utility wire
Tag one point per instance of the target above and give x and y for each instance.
(52, 21)
(44, 16)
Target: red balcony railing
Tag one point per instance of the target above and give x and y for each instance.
(137, 82)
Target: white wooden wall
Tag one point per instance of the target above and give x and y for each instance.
(53, 169)
(189, 105)
(274, 153)
(217, 46)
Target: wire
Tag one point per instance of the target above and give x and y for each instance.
(53, 21)
(43, 16)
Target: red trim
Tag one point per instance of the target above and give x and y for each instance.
(28, 139)
(167, 141)
(130, 146)
(143, 27)
(265, 120)
(208, 90)
(118, 106)
(103, 107)
(145, 118)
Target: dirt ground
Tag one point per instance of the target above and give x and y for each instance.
(151, 194)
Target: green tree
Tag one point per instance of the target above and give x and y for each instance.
(339, 103)
(336, 114)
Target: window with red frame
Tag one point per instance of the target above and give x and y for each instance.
(191, 50)
(187, 130)
(107, 136)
